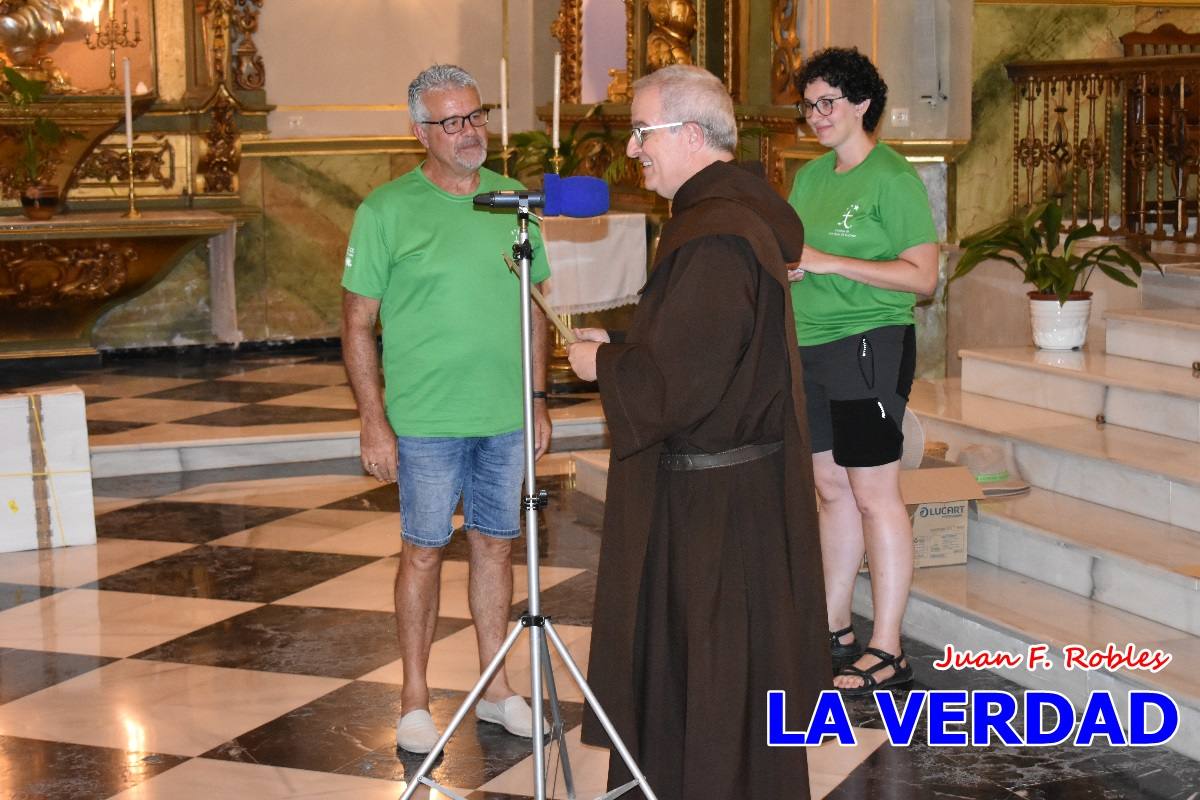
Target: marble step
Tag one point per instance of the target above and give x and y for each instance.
(978, 606)
(177, 448)
(1177, 287)
(1128, 562)
(1146, 474)
(1126, 391)
(1162, 335)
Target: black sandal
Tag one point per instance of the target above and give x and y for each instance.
(901, 675)
(844, 652)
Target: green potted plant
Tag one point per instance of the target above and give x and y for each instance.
(534, 150)
(1033, 242)
(38, 138)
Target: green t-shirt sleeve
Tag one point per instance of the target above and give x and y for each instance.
(366, 269)
(905, 213)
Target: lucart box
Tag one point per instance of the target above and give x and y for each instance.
(937, 496)
(45, 471)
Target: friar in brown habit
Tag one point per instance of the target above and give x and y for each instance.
(710, 590)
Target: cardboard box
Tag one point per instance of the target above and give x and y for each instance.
(45, 471)
(938, 497)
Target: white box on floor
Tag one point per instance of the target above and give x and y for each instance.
(45, 471)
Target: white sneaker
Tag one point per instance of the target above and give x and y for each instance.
(416, 733)
(512, 713)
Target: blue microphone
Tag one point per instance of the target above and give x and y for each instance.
(576, 196)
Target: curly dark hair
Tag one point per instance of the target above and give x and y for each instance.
(851, 73)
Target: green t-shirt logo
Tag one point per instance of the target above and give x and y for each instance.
(843, 228)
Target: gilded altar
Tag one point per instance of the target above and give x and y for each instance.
(199, 94)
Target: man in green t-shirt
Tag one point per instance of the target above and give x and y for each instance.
(428, 267)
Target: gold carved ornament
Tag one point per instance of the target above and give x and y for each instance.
(673, 27)
(249, 73)
(568, 29)
(221, 145)
(111, 163)
(46, 275)
(788, 56)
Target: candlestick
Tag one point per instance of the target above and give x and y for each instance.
(504, 103)
(128, 107)
(557, 82)
(112, 35)
(132, 213)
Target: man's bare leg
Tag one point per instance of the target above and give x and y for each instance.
(418, 591)
(490, 592)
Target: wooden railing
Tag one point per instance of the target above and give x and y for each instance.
(1115, 141)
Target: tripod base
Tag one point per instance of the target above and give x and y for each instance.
(540, 652)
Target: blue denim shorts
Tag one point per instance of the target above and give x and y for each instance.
(433, 472)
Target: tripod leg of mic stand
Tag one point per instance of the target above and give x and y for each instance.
(484, 679)
(556, 725)
(638, 778)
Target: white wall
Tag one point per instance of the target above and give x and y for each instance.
(343, 69)
(905, 30)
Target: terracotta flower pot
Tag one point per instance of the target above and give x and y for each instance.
(40, 201)
(1059, 326)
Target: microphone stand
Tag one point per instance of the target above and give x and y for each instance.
(539, 626)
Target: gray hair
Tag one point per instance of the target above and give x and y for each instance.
(439, 76)
(693, 94)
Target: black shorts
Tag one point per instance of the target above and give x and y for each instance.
(856, 390)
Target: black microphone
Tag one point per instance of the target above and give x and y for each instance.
(577, 196)
(510, 199)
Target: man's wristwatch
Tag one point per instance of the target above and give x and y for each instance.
(539, 395)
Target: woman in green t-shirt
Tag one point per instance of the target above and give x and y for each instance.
(870, 247)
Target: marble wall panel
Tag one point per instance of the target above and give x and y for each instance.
(289, 256)
(308, 209)
(174, 312)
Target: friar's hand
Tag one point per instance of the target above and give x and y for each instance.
(582, 356)
(591, 334)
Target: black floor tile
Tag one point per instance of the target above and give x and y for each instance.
(255, 414)
(330, 642)
(385, 497)
(567, 603)
(196, 523)
(103, 427)
(39, 770)
(24, 672)
(352, 731)
(256, 575)
(15, 594)
(197, 370)
(231, 391)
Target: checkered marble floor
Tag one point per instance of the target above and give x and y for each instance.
(232, 634)
(214, 398)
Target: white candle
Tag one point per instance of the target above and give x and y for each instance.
(128, 109)
(504, 102)
(557, 92)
